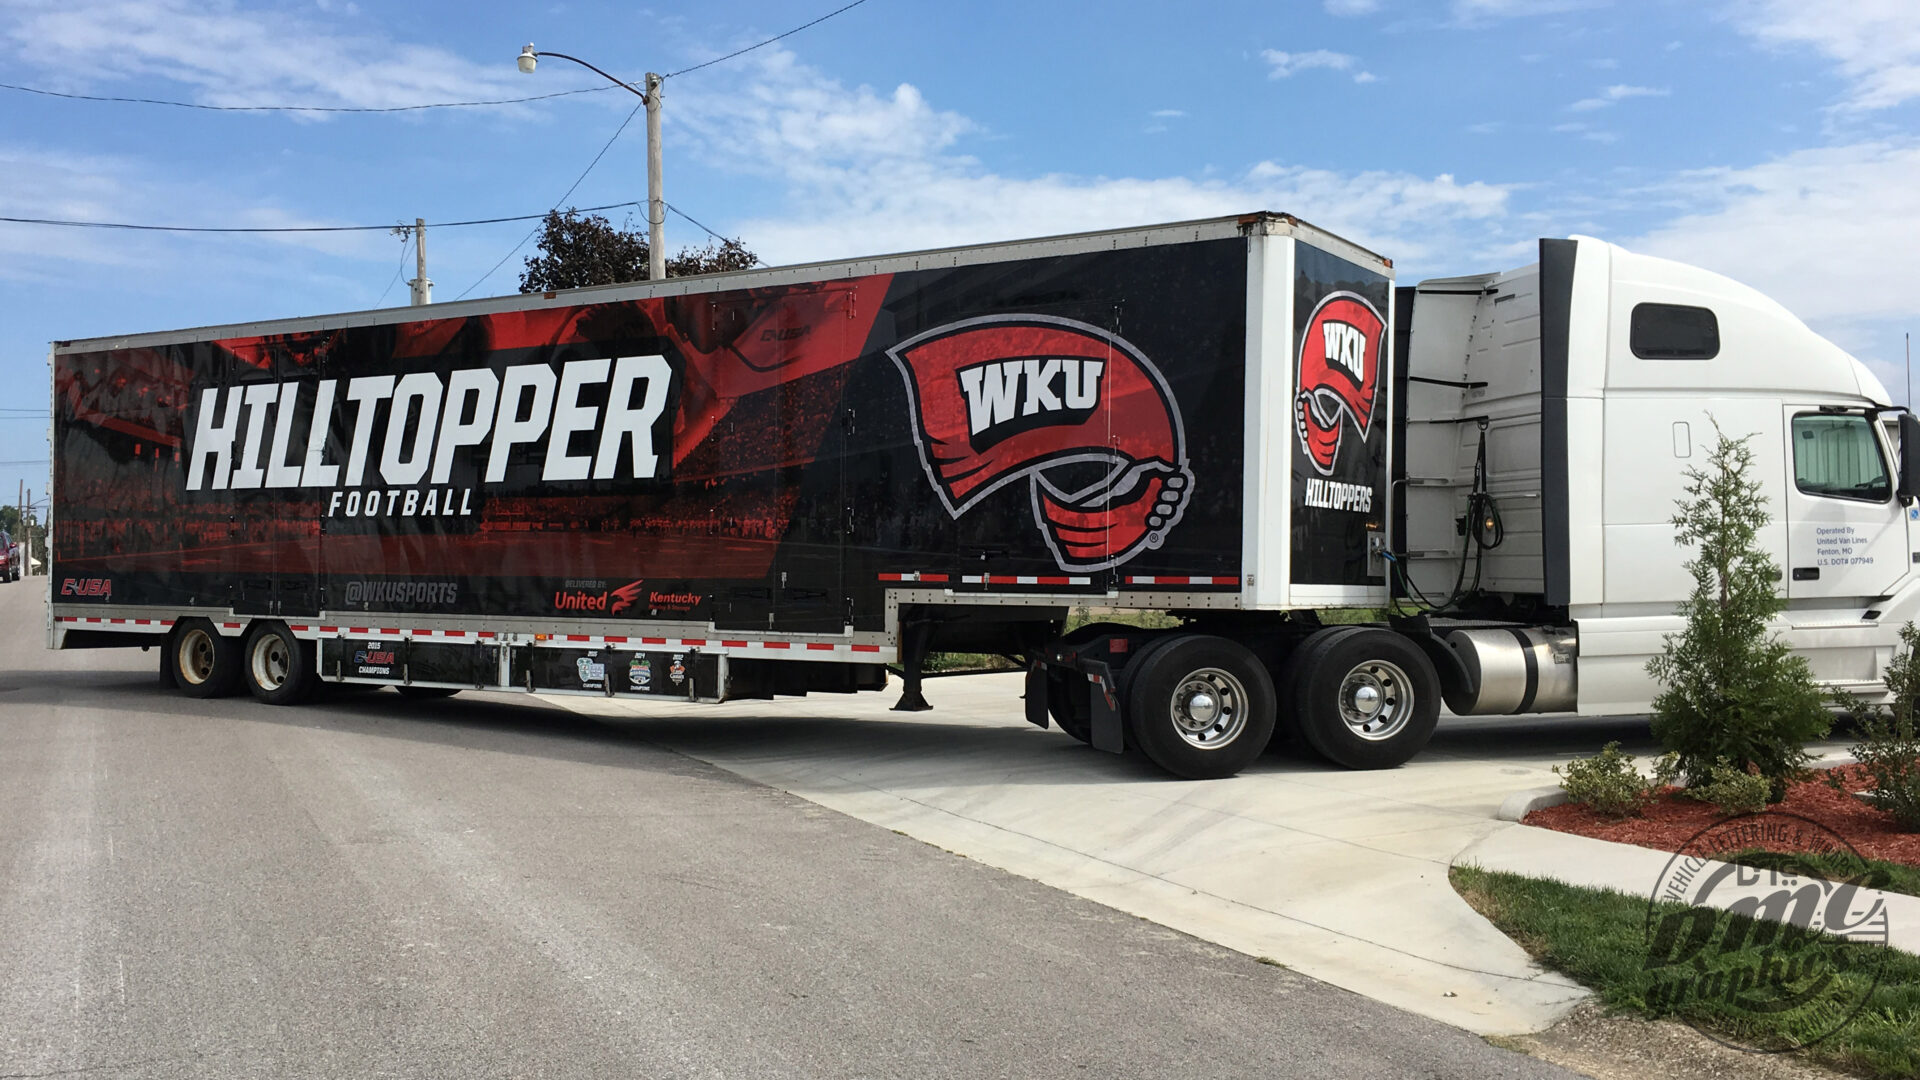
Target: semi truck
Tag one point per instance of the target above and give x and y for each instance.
(791, 480)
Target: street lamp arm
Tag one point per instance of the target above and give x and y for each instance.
(614, 79)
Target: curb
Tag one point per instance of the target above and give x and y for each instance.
(1521, 803)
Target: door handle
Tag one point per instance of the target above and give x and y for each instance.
(1806, 573)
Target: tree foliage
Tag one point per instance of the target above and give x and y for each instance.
(577, 250)
(1733, 690)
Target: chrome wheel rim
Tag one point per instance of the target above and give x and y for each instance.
(196, 656)
(270, 660)
(1376, 700)
(1209, 708)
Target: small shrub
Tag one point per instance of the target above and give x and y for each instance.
(1666, 770)
(1889, 748)
(1732, 791)
(1607, 783)
(1733, 689)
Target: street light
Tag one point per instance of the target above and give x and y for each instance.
(656, 200)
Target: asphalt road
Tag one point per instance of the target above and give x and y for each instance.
(491, 887)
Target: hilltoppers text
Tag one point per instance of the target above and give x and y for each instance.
(406, 433)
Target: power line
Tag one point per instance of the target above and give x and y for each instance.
(556, 204)
(406, 241)
(281, 229)
(301, 108)
(41, 91)
(763, 44)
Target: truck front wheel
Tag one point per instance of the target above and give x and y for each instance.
(279, 666)
(205, 665)
(1200, 707)
(1365, 699)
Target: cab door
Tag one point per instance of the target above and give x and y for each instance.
(1846, 531)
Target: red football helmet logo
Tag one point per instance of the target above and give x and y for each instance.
(1337, 377)
(1076, 411)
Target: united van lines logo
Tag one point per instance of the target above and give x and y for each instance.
(595, 596)
(1079, 413)
(1337, 377)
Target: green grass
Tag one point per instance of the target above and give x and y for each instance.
(1840, 865)
(1599, 938)
(1348, 616)
(1146, 620)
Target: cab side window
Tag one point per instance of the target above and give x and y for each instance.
(1837, 456)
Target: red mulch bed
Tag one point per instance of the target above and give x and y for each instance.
(1674, 819)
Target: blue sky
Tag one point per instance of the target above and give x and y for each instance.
(1774, 140)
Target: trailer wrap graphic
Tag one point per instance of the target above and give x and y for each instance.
(1340, 446)
(750, 458)
(1011, 397)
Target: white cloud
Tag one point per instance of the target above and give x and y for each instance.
(1613, 94)
(1814, 229)
(1345, 8)
(1168, 113)
(1876, 43)
(1472, 11)
(1283, 65)
(230, 56)
(899, 179)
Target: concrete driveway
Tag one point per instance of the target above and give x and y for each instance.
(1340, 875)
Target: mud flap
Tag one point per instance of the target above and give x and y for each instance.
(1109, 726)
(1036, 694)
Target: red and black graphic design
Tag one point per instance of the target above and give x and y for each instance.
(743, 457)
(1337, 375)
(1010, 397)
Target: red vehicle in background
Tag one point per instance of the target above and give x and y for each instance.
(10, 558)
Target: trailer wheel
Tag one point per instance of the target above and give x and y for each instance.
(205, 665)
(1365, 698)
(278, 667)
(426, 693)
(1200, 707)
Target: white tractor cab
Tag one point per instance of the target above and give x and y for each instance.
(1551, 413)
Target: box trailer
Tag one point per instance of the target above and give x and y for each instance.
(785, 481)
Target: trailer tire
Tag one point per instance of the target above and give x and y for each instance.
(205, 665)
(425, 693)
(277, 667)
(1364, 697)
(1200, 707)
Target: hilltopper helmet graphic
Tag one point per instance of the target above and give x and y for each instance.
(1078, 412)
(1337, 377)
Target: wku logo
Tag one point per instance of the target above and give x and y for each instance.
(1077, 412)
(1337, 377)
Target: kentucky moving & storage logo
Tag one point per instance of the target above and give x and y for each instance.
(1077, 412)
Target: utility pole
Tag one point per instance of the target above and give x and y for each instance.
(422, 288)
(656, 194)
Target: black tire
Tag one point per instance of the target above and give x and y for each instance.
(1364, 697)
(426, 693)
(205, 664)
(276, 667)
(1286, 726)
(1175, 673)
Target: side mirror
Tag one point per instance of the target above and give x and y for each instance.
(1909, 457)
